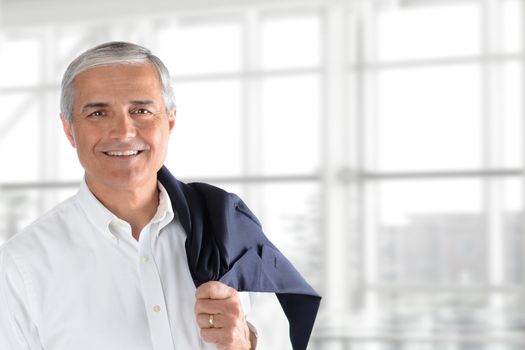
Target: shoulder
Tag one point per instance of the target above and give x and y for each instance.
(50, 227)
(206, 189)
(218, 200)
(215, 195)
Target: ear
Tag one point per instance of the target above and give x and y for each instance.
(68, 130)
(171, 119)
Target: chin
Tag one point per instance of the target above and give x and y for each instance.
(128, 179)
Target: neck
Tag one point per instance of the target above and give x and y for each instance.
(135, 205)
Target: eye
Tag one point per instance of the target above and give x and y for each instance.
(96, 114)
(141, 111)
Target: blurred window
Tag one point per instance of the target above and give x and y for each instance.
(443, 126)
(200, 47)
(206, 141)
(429, 32)
(291, 42)
(428, 97)
(429, 118)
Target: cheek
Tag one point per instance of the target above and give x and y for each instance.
(85, 142)
(158, 137)
(160, 141)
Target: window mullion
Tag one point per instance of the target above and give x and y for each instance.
(522, 3)
(336, 226)
(492, 142)
(252, 140)
(370, 259)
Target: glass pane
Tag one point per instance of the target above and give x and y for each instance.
(290, 216)
(18, 208)
(20, 61)
(429, 32)
(69, 168)
(207, 137)
(431, 232)
(200, 48)
(65, 163)
(291, 220)
(514, 232)
(512, 114)
(70, 43)
(450, 319)
(291, 124)
(513, 25)
(429, 118)
(269, 317)
(291, 42)
(19, 138)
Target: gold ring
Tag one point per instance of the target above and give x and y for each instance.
(210, 321)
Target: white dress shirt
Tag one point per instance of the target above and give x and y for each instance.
(76, 279)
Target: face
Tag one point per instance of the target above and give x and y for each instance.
(120, 126)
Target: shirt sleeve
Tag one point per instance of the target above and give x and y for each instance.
(17, 330)
(247, 301)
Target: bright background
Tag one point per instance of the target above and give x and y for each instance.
(380, 143)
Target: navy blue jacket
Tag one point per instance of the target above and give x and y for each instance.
(225, 242)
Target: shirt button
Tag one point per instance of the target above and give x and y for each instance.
(156, 308)
(145, 258)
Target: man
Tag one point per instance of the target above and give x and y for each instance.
(133, 261)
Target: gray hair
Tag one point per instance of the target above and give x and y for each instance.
(111, 53)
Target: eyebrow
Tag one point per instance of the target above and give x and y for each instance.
(143, 102)
(93, 105)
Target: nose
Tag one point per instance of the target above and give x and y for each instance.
(123, 127)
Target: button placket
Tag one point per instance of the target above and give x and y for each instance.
(153, 293)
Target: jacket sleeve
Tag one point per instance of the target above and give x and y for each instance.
(17, 331)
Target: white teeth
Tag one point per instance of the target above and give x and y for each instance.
(122, 153)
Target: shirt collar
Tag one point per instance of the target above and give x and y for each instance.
(102, 217)
(165, 213)
(95, 210)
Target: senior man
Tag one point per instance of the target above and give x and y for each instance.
(137, 259)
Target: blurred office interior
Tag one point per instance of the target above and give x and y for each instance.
(380, 142)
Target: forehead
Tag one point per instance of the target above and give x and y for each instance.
(118, 81)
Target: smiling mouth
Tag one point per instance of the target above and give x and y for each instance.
(129, 153)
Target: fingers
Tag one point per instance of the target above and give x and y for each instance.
(219, 337)
(231, 306)
(226, 333)
(212, 320)
(227, 320)
(220, 316)
(216, 298)
(214, 290)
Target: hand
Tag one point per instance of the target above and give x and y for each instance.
(220, 317)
